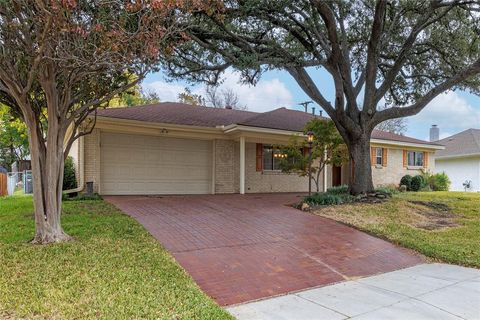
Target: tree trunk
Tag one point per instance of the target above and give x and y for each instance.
(361, 181)
(47, 170)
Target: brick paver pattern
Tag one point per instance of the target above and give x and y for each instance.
(240, 248)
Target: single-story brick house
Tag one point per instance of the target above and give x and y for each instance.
(173, 148)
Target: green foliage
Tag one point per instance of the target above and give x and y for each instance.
(417, 183)
(84, 196)
(134, 96)
(13, 138)
(440, 182)
(114, 269)
(388, 190)
(333, 196)
(343, 189)
(69, 178)
(188, 97)
(406, 181)
(328, 148)
(327, 199)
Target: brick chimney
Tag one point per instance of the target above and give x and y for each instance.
(434, 133)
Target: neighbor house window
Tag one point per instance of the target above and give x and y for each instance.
(379, 156)
(272, 157)
(415, 159)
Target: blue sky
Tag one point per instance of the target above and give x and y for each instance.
(452, 112)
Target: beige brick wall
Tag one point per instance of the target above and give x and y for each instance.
(224, 166)
(394, 171)
(257, 182)
(227, 172)
(227, 169)
(92, 158)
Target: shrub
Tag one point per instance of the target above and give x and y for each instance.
(406, 181)
(440, 182)
(326, 199)
(343, 189)
(69, 179)
(388, 190)
(417, 183)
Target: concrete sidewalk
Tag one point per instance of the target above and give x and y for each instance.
(427, 291)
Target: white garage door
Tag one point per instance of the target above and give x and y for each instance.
(137, 164)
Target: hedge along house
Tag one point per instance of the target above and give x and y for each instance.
(173, 148)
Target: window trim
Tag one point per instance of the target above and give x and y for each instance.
(378, 157)
(414, 159)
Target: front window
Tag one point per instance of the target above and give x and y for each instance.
(415, 159)
(379, 156)
(272, 157)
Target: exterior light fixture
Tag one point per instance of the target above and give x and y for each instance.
(310, 137)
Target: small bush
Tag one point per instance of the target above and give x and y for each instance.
(327, 199)
(440, 182)
(406, 181)
(343, 189)
(417, 183)
(69, 179)
(84, 196)
(388, 190)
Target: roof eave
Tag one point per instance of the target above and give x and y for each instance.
(458, 156)
(407, 144)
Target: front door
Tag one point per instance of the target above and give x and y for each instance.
(336, 176)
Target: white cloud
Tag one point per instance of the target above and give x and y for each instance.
(165, 90)
(266, 95)
(450, 112)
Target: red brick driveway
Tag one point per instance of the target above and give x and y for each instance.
(240, 248)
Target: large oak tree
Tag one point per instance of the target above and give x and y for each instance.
(403, 52)
(62, 59)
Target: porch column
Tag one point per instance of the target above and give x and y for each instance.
(242, 165)
(325, 171)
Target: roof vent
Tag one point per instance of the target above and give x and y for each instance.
(228, 107)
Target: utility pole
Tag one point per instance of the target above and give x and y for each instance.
(305, 104)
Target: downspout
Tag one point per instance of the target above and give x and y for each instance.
(81, 168)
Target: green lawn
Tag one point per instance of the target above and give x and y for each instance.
(400, 221)
(113, 270)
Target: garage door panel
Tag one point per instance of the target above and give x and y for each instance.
(134, 164)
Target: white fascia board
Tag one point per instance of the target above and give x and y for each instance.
(458, 156)
(407, 144)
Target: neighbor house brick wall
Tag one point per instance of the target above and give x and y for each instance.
(394, 171)
(92, 158)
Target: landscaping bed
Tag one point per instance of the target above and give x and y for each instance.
(112, 270)
(442, 225)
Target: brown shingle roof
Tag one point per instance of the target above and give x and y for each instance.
(384, 135)
(179, 113)
(282, 118)
(464, 143)
(184, 114)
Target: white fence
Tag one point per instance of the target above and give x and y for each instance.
(19, 183)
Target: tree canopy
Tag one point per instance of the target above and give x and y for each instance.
(405, 52)
(60, 60)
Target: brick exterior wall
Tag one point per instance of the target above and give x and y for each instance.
(227, 169)
(394, 171)
(258, 182)
(225, 166)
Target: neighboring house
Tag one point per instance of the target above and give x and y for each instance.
(173, 148)
(461, 160)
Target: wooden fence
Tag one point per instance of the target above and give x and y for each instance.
(3, 185)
